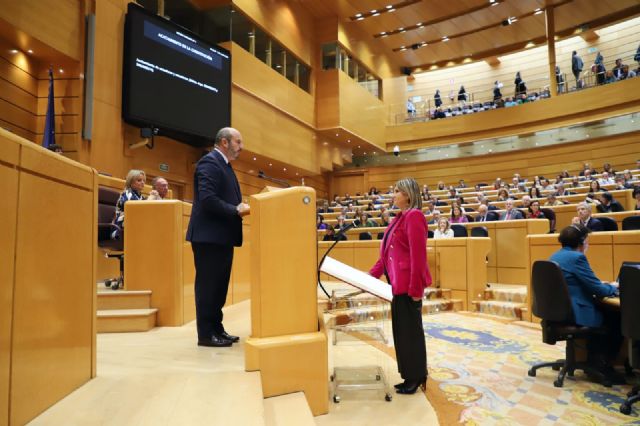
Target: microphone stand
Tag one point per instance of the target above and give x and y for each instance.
(282, 182)
(337, 237)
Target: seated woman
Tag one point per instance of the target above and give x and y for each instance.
(457, 214)
(444, 229)
(134, 184)
(363, 221)
(503, 194)
(385, 218)
(636, 196)
(594, 186)
(534, 192)
(320, 222)
(534, 211)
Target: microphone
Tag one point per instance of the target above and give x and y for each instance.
(345, 229)
(339, 234)
(282, 182)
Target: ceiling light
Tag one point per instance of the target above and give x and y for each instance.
(61, 71)
(360, 18)
(284, 169)
(401, 28)
(270, 164)
(348, 140)
(325, 143)
(358, 15)
(492, 1)
(391, 10)
(358, 146)
(254, 158)
(376, 14)
(13, 51)
(445, 39)
(389, 6)
(373, 11)
(337, 134)
(383, 33)
(29, 51)
(494, 4)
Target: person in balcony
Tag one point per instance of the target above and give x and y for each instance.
(462, 96)
(437, 99)
(559, 79)
(576, 66)
(497, 94)
(520, 86)
(599, 69)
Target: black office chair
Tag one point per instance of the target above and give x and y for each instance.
(608, 224)
(110, 235)
(631, 223)
(630, 320)
(551, 217)
(459, 230)
(365, 236)
(479, 231)
(380, 235)
(492, 216)
(429, 233)
(551, 303)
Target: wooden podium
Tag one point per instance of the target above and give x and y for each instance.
(288, 342)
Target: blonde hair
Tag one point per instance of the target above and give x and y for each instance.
(446, 220)
(133, 173)
(410, 187)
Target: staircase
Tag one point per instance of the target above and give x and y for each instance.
(363, 307)
(503, 300)
(125, 311)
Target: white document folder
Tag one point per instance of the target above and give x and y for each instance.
(357, 278)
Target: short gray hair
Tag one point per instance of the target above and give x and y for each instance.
(585, 205)
(224, 133)
(133, 173)
(410, 187)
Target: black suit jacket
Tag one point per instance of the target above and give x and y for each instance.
(595, 225)
(216, 193)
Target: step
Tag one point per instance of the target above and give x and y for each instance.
(126, 320)
(369, 313)
(506, 293)
(512, 310)
(124, 299)
(288, 410)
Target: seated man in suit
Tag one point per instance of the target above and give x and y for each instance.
(482, 199)
(561, 191)
(510, 213)
(436, 217)
(584, 218)
(483, 214)
(607, 204)
(583, 286)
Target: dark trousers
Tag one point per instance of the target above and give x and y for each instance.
(408, 337)
(605, 347)
(213, 269)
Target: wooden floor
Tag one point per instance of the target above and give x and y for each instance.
(162, 378)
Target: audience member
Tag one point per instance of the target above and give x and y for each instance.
(436, 217)
(636, 196)
(605, 179)
(160, 188)
(526, 201)
(457, 215)
(483, 214)
(576, 66)
(385, 218)
(559, 80)
(553, 201)
(320, 222)
(134, 184)
(594, 186)
(534, 211)
(503, 194)
(411, 108)
(520, 86)
(363, 221)
(497, 94)
(510, 212)
(599, 69)
(561, 191)
(607, 204)
(534, 192)
(584, 287)
(462, 96)
(437, 100)
(444, 229)
(617, 69)
(584, 218)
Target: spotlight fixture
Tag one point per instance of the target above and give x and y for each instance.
(387, 9)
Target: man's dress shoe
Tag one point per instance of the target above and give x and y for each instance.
(227, 336)
(215, 341)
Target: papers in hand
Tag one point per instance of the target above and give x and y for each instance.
(357, 278)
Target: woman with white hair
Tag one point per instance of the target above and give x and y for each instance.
(134, 184)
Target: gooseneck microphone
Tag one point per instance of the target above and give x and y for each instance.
(337, 237)
(282, 182)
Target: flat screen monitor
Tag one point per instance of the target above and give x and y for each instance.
(174, 81)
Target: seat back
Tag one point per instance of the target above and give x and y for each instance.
(631, 223)
(551, 301)
(365, 236)
(492, 216)
(107, 199)
(380, 235)
(479, 231)
(459, 230)
(629, 301)
(429, 233)
(608, 224)
(551, 217)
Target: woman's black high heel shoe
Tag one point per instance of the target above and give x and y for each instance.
(410, 387)
(400, 385)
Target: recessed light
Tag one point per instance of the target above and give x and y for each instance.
(270, 164)
(389, 6)
(348, 140)
(29, 51)
(325, 143)
(358, 146)
(358, 15)
(13, 51)
(401, 28)
(61, 71)
(360, 18)
(254, 158)
(391, 10)
(373, 11)
(376, 14)
(337, 134)
(284, 169)
(296, 173)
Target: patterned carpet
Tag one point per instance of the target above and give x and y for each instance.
(478, 376)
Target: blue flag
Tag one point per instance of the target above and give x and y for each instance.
(50, 120)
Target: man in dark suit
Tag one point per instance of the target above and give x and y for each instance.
(484, 215)
(607, 204)
(583, 286)
(510, 213)
(576, 66)
(214, 229)
(584, 218)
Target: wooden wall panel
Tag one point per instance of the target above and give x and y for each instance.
(616, 41)
(548, 161)
(254, 76)
(9, 158)
(34, 17)
(360, 112)
(287, 22)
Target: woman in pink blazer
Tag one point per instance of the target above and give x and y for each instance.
(403, 260)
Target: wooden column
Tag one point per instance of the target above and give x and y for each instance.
(551, 46)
